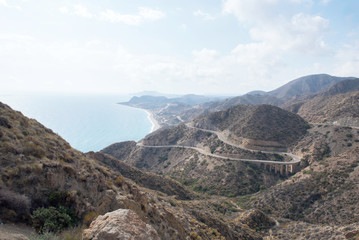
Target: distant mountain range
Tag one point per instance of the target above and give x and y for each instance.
(151, 102)
(172, 111)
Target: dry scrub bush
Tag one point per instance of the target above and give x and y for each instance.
(10, 200)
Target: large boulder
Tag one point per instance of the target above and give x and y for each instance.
(120, 224)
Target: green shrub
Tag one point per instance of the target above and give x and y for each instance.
(60, 198)
(278, 157)
(349, 135)
(53, 219)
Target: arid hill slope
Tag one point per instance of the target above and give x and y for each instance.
(325, 192)
(264, 123)
(341, 109)
(338, 105)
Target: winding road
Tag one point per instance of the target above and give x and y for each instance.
(295, 158)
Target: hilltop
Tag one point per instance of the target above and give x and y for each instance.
(306, 85)
(265, 126)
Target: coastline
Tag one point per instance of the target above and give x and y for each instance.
(150, 116)
(155, 124)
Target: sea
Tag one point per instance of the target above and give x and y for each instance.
(87, 122)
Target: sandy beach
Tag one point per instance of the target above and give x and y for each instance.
(155, 124)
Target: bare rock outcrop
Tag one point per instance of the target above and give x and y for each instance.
(120, 224)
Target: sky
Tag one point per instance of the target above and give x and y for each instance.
(188, 46)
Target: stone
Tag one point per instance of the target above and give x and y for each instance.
(122, 224)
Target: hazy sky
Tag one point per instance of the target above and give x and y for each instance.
(187, 46)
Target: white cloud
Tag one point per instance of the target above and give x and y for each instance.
(301, 34)
(183, 27)
(205, 55)
(111, 16)
(250, 10)
(82, 11)
(204, 15)
(302, 1)
(77, 10)
(325, 1)
(308, 24)
(93, 43)
(150, 14)
(144, 14)
(64, 10)
(100, 66)
(277, 38)
(348, 58)
(5, 4)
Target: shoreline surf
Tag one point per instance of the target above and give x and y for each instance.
(154, 122)
(150, 117)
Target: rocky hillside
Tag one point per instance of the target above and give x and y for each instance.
(36, 162)
(326, 192)
(145, 179)
(345, 86)
(248, 99)
(41, 173)
(266, 124)
(338, 105)
(306, 85)
(341, 109)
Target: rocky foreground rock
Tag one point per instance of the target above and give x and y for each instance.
(120, 224)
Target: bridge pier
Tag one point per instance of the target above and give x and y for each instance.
(280, 168)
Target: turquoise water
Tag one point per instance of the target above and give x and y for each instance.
(88, 123)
